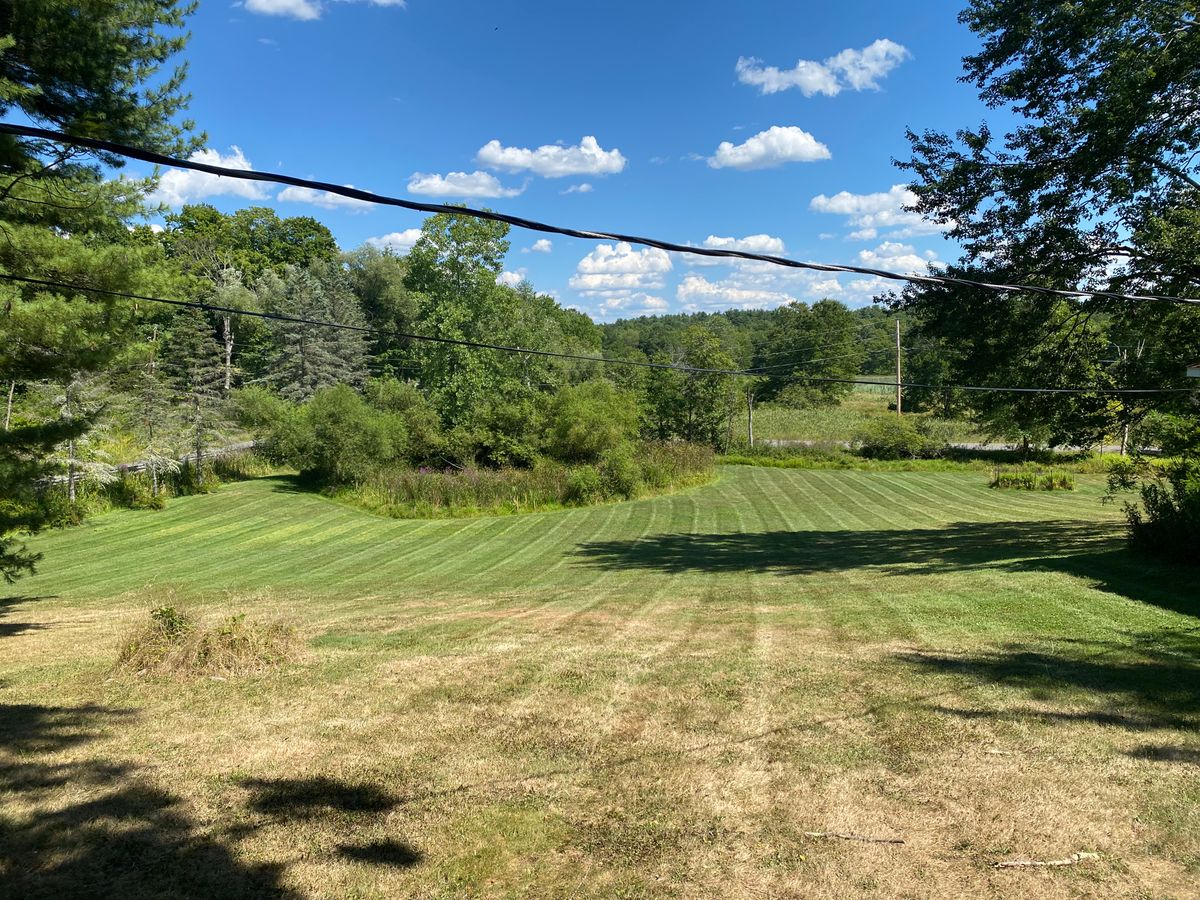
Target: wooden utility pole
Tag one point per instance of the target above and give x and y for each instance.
(750, 417)
(898, 367)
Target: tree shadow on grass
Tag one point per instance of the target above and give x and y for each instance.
(307, 797)
(1091, 550)
(126, 838)
(9, 629)
(395, 854)
(1148, 681)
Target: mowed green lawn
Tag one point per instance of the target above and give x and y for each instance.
(658, 698)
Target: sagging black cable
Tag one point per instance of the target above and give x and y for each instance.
(160, 159)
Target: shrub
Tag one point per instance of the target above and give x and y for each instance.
(939, 434)
(666, 463)
(133, 491)
(191, 480)
(1174, 435)
(402, 398)
(1168, 524)
(619, 475)
(1033, 479)
(584, 486)
(587, 420)
(891, 437)
(337, 438)
(174, 643)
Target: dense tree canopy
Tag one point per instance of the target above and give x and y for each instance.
(94, 69)
(1097, 185)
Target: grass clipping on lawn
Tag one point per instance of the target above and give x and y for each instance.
(174, 643)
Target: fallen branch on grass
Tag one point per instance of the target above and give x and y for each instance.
(853, 837)
(1028, 863)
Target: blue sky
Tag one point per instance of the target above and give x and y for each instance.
(763, 125)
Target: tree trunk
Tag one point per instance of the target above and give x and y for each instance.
(228, 334)
(153, 461)
(198, 438)
(1124, 438)
(12, 386)
(71, 471)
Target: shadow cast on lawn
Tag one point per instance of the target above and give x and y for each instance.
(1149, 681)
(1091, 550)
(309, 797)
(121, 834)
(126, 837)
(9, 629)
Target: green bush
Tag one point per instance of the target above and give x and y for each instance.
(891, 437)
(1168, 524)
(619, 474)
(390, 395)
(133, 490)
(1033, 479)
(584, 486)
(337, 438)
(190, 479)
(587, 420)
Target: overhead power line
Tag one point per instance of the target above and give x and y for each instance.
(366, 329)
(526, 351)
(160, 159)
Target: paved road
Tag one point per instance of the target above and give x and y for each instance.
(1107, 448)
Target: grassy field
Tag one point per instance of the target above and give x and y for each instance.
(838, 423)
(648, 699)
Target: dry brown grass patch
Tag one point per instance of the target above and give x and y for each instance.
(174, 643)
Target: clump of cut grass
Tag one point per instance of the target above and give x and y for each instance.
(1033, 479)
(174, 643)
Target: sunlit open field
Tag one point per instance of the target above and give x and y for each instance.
(657, 698)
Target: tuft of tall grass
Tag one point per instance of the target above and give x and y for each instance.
(452, 493)
(176, 644)
(1033, 479)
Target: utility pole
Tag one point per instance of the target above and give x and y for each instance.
(750, 417)
(898, 367)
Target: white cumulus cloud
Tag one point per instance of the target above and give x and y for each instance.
(751, 243)
(777, 145)
(633, 305)
(511, 279)
(305, 10)
(541, 245)
(584, 188)
(552, 160)
(894, 257)
(868, 213)
(697, 292)
(460, 184)
(396, 241)
(614, 268)
(177, 187)
(323, 199)
(850, 69)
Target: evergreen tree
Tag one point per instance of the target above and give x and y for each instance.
(85, 68)
(308, 357)
(193, 362)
